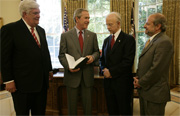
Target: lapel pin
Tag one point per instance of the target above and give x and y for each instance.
(119, 41)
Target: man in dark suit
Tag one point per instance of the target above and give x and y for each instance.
(26, 65)
(153, 68)
(79, 42)
(116, 63)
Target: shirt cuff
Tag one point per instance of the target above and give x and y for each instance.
(8, 82)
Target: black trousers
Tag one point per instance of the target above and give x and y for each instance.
(26, 102)
(119, 96)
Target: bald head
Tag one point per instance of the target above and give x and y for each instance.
(113, 22)
(159, 18)
(115, 15)
(155, 23)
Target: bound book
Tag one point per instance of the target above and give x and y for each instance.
(76, 64)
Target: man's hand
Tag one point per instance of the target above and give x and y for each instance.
(106, 73)
(74, 70)
(50, 75)
(136, 82)
(11, 87)
(91, 59)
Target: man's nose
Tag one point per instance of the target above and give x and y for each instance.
(145, 26)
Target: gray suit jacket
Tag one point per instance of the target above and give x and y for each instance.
(153, 69)
(70, 44)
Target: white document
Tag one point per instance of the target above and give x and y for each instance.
(75, 64)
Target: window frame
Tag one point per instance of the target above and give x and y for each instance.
(136, 18)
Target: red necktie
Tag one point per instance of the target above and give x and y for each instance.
(33, 34)
(112, 41)
(81, 41)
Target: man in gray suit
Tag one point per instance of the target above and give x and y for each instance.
(153, 68)
(82, 78)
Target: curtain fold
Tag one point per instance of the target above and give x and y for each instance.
(171, 10)
(72, 5)
(124, 8)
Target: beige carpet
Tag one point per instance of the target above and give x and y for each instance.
(175, 94)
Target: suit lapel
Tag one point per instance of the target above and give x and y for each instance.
(75, 40)
(86, 39)
(117, 42)
(40, 37)
(150, 44)
(27, 33)
(25, 30)
(146, 49)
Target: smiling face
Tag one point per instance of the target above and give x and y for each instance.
(112, 24)
(83, 22)
(150, 28)
(32, 18)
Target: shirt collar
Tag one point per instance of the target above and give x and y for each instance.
(77, 30)
(28, 26)
(152, 37)
(116, 34)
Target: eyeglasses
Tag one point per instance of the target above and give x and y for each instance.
(110, 25)
(35, 13)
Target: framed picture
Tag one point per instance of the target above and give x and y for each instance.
(1, 22)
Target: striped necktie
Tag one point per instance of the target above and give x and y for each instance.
(33, 34)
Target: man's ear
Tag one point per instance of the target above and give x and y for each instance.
(24, 14)
(158, 26)
(119, 23)
(77, 19)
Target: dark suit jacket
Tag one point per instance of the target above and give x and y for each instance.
(70, 44)
(22, 60)
(153, 69)
(0, 50)
(120, 59)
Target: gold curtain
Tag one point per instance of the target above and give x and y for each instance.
(171, 10)
(124, 8)
(1, 22)
(72, 5)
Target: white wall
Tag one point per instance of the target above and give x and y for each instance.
(9, 10)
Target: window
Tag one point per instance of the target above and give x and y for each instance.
(98, 10)
(145, 8)
(50, 20)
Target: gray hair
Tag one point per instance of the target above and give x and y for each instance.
(160, 19)
(78, 13)
(118, 16)
(27, 5)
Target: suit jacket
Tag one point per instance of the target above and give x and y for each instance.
(70, 44)
(22, 60)
(153, 69)
(119, 60)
